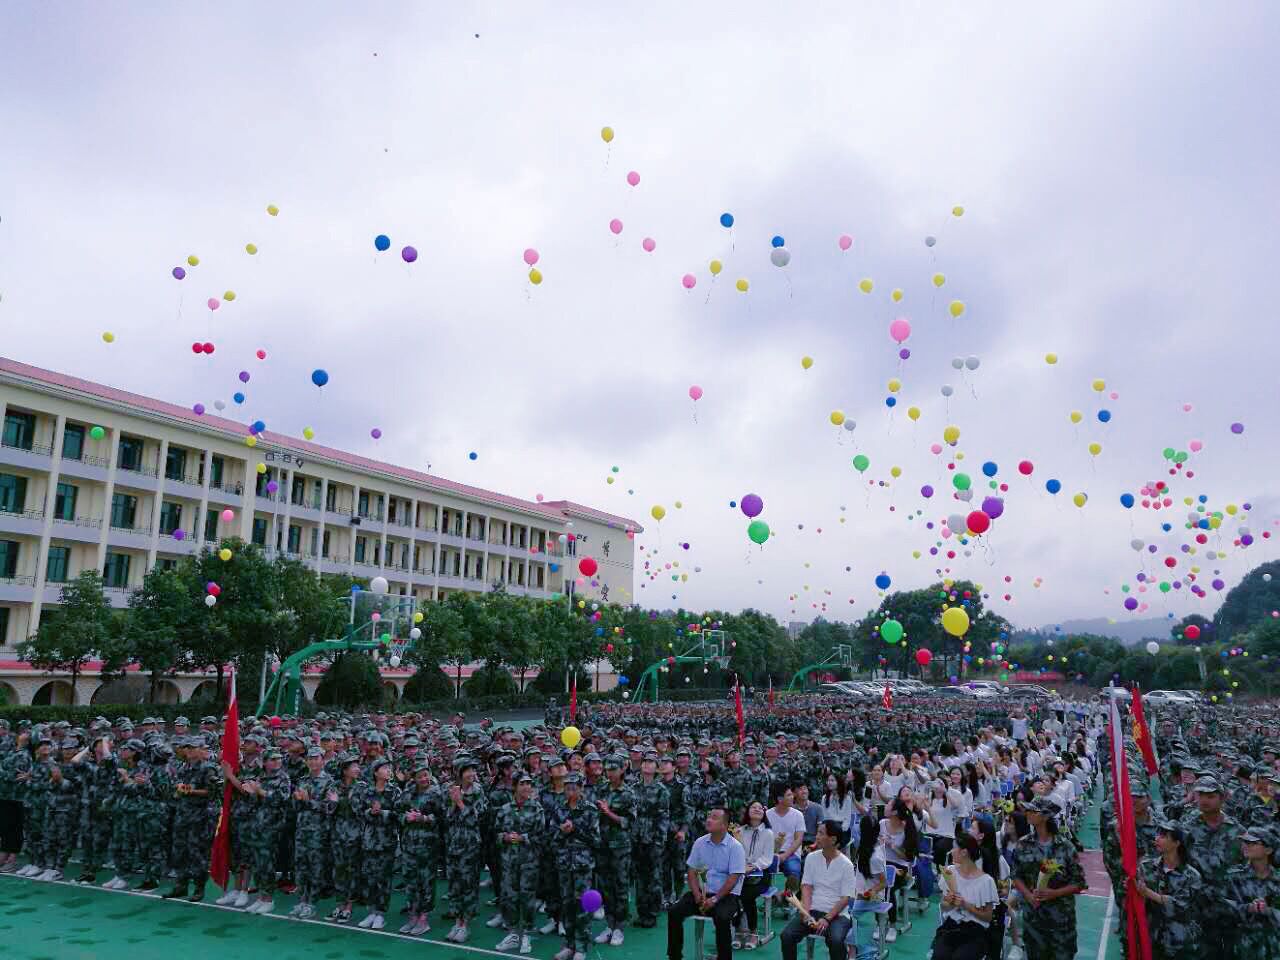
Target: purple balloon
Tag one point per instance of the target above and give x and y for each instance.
(591, 901)
(179, 534)
(926, 491)
(1130, 603)
(904, 354)
(179, 273)
(408, 255)
(752, 505)
(1218, 584)
(993, 507)
(375, 433)
(1237, 428)
(272, 486)
(1247, 539)
(198, 409)
(244, 376)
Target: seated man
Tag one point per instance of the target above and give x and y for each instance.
(724, 862)
(826, 885)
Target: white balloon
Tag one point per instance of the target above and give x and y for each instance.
(394, 661)
(964, 495)
(850, 424)
(972, 362)
(220, 404)
(780, 257)
(1266, 578)
(1049, 642)
(958, 523)
(415, 634)
(210, 600)
(948, 389)
(957, 363)
(1153, 647)
(1137, 544)
(1244, 531)
(930, 241)
(378, 585)
(563, 538)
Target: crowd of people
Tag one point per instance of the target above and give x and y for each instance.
(833, 816)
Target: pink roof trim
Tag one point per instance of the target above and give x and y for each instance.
(554, 510)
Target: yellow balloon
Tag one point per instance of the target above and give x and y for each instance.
(684, 578)
(308, 433)
(1095, 448)
(742, 285)
(957, 307)
(951, 434)
(939, 279)
(417, 617)
(108, 337)
(229, 296)
(806, 362)
(1080, 499)
(1215, 523)
(865, 285)
(272, 209)
(895, 471)
(957, 211)
(913, 413)
(896, 295)
(1076, 416)
(261, 468)
(678, 504)
(535, 276)
(1099, 385)
(224, 554)
(606, 134)
(895, 385)
(193, 260)
(1051, 358)
(716, 267)
(959, 454)
(250, 441)
(837, 417)
(1231, 509)
(915, 554)
(955, 621)
(608, 480)
(572, 736)
(251, 248)
(658, 511)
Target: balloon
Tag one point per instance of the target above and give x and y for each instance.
(961, 481)
(1192, 632)
(228, 515)
(883, 581)
(193, 260)
(806, 362)
(955, 621)
(926, 491)
(726, 220)
(224, 554)
(1099, 385)
(198, 409)
(213, 303)
(587, 566)
(210, 600)
(957, 523)
(956, 308)
(758, 531)
(895, 385)
(570, 737)
(206, 347)
(382, 242)
(179, 534)
(219, 405)
(861, 462)
(244, 376)
(408, 254)
(923, 656)
(1095, 448)
(238, 397)
(1152, 647)
(658, 512)
(951, 434)
(591, 901)
(695, 392)
(1104, 416)
(957, 211)
(865, 285)
(97, 433)
(530, 256)
(1026, 468)
(751, 505)
(993, 507)
(1051, 358)
(1237, 428)
(972, 363)
(837, 417)
(179, 273)
(978, 522)
(1130, 603)
(891, 631)
(742, 285)
(780, 257)
(251, 248)
(633, 178)
(689, 281)
(939, 279)
(535, 276)
(1076, 416)
(606, 134)
(108, 337)
(913, 413)
(1196, 446)
(319, 377)
(989, 469)
(845, 241)
(900, 329)
(375, 433)
(258, 426)
(930, 241)
(716, 267)
(895, 296)
(1080, 499)
(272, 209)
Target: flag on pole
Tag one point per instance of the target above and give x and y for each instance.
(771, 691)
(887, 698)
(1137, 934)
(573, 699)
(1142, 734)
(220, 855)
(737, 705)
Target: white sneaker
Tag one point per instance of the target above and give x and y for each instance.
(875, 934)
(494, 922)
(560, 928)
(378, 922)
(598, 915)
(367, 922)
(226, 900)
(548, 928)
(579, 956)
(263, 906)
(616, 939)
(27, 870)
(297, 909)
(242, 900)
(526, 945)
(564, 954)
(464, 934)
(486, 883)
(113, 884)
(1015, 953)
(892, 935)
(603, 937)
(510, 942)
(452, 935)
(307, 912)
(48, 875)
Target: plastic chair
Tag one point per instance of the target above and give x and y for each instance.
(880, 910)
(700, 924)
(902, 895)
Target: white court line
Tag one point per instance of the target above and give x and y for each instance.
(1106, 929)
(336, 927)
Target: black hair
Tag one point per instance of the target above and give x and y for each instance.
(868, 838)
(910, 837)
(842, 786)
(834, 829)
(987, 847)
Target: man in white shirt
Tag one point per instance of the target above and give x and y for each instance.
(826, 885)
(787, 824)
(1018, 723)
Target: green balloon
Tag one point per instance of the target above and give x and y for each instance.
(891, 631)
(1165, 586)
(961, 481)
(758, 531)
(1168, 453)
(1180, 457)
(97, 433)
(861, 462)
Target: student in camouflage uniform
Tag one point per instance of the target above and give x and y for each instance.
(548, 882)
(1049, 912)
(464, 811)
(649, 837)
(575, 832)
(1213, 848)
(375, 803)
(1253, 896)
(67, 775)
(35, 788)
(420, 847)
(125, 802)
(15, 758)
(617, 806)
(314, 808)
(1144, 829)
(1172, 890)
(519, 826)
(345, 843)
(153, 813)
(243, 813)
(198, 788)
(674, 853)
(500, 793)
(99, 786)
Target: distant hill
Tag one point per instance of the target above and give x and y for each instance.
(1128, 632)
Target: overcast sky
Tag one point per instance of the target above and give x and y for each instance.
(1116, 165)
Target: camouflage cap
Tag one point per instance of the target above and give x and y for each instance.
(314, 752)
(1043, 806)
(1173, 828)
(592, 757)
(213, 720)
(614, 762)
(411, 741)
(1138, 789)
(573, 779)
(463, 761)
(422, 766)
(1262, 835)
(1207, 785)
(272, 754)
(134, 744)
(380, 763)
(524, 778)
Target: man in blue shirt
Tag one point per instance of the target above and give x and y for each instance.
(716, 864)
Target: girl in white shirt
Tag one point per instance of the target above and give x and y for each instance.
(837, 802)
(965, 806)
(940, 815)
(968, 903)
(757, 841)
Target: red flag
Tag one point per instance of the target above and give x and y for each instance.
(573, 700)
(771, 691)
(220, 856)
(1138, 936)
(887, 699)
(1142, 734)
(737, 704)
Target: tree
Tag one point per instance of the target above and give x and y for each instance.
(1249, 602)
(446, 635)
(1179, 630)
(352, 681)
(160, 617)
(428, 683)
(82, 628)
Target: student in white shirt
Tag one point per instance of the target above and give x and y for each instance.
(757, 840)
(940, 815)
(837, 802)
(958, 784)
(869, 882)
(968, 902)
(825, 889)
(787, 824)
(901, 844)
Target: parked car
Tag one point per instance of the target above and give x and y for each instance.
(1028, 691)
(1117, 693)
(1170, 698)
(952, 693)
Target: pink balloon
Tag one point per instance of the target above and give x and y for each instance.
(900, 329)
(648, 244)
(935, 448)
(689, 281)
(633, 178)
(1196, 446)
(531, 256)
(213, 303)
(1114, 395)
(695, 392)
(1186, 408)
(615, 225)
(845, 241)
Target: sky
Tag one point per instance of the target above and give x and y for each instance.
(1115, 165)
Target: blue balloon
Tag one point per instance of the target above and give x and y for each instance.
(238, 397)
(382, 242)
(258, 426)
(883, 581)
(555, 567)
(733, 504)
(1204, 524)
(319, 377)
(726, 219)
(1166, 527)
(1126, 500)
(473, 455)
(1204, 498)
(778, 242)
(623, 680)
(1053, 486)
(891, 401)
(1104, 416)
(989, 469)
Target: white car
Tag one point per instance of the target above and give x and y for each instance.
(1170, 698)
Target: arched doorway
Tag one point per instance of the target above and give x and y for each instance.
(128, 691)
(205, 690)
(55, 693)
(9, 695)
(167, 692)
(390, 693)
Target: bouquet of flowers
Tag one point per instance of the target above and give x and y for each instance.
(1048, 870)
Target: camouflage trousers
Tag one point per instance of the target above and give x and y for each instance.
(263, 851)
(549, 883)
(376, 867)
(613, 871)
(125, 848)
(418, 865)
(192, 842)
(646, 875)
(346, 868)
(1049, 935)
(96, 836)
(310, 854)
(33, 838)
(462, 873)
(60, 823)
(153, 843)
(671, 871)
(575, 868)
(519, 886)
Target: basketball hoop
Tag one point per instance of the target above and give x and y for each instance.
(397, 650)
(723, 661)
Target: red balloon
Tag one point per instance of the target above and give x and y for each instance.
(197, 348)
(1192, 632)
(978, 522)
(608, 648)
(923, 656)
(207, 347)
(587, 566)
(1025, 467)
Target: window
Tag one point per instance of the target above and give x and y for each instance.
(298, 492)
(377, 554)
(8, 559)
(417, 556)
(4, 625)
(211, 526)
(215, 472)
(360, 548)
(263, 479)
(59, 562)
(404, 556)
(19, 430)
(175, 464)
(260, 531)
(315, 541)
(64, 502)
(331, 500)
(571, 547)
(170, 517)
(324, 545)
(13, 493)
(166, 563)
(130, 454)
(391, 510)
(73, 442)
(295, 538)
(364, 505)
(123, 509)
(115, 572)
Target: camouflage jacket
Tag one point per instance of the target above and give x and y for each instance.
(1212, 852)
(616, 834)
(1258, 934)
(1175, 924)
(376, 811)
(1029, 856)
(526, 819)
(653, 817)
(585, 835)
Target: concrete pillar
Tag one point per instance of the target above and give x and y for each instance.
(46, 528)
(114, 434)
(156, 504)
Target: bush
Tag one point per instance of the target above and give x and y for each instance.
(491, 681)
(352, 681)
(428, 683)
